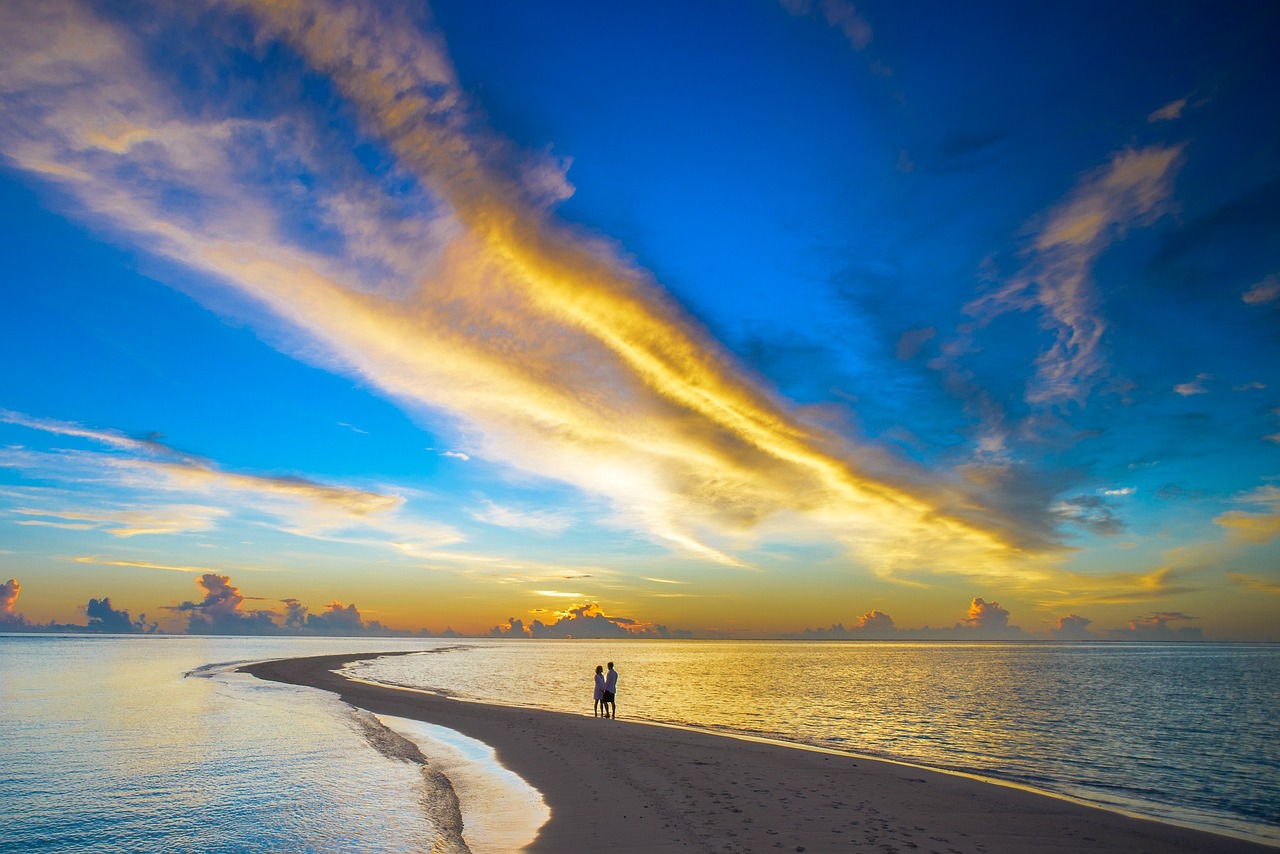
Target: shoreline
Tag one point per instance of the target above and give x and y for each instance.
(636, 786)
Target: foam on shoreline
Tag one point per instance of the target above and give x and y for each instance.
(501, 812)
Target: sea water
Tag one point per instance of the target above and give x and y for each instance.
(119, 744)
(156, 744)
(1185, 733)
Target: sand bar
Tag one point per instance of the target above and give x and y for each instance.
(627, 786)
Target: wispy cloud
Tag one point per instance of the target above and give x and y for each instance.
(1251, 526)
(1196, 386)
(541, 521)
(1132, 189)
(1252, 582)
(98, 560)
(840, 14)
(133, 477)
(124, 522)
(548, 349)
(1169, 112)
(1263, 292)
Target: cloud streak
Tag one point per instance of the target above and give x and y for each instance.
(146, 469)
(543, 345)
(1132, 189)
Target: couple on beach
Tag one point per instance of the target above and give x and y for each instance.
(606, 689)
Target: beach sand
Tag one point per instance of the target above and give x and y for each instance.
(628, 786)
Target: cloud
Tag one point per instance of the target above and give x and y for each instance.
(983, 621)
(121, 522)
(295, 614)
(1257, 528)
(840, 14)
(336, 618)
(9, 615)
(985, 615)
(1263, 292)
(1155, 627)
(1169, 112)
(1251, 582)
(140, 564)
(104, 618)
(1056, 283)
(1076, 589)
(1092, 512)
(912, 341)
(584, 621)
(450, 285)
(189, 468)
(1196, 386)
(538, 521)
(1072, 627)
(1250, 526)
(873, 625)
(220, 611)
(148, 468)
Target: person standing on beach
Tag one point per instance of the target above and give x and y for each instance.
(599, 706)
(610, 702)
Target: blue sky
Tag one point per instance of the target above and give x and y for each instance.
(732, 318)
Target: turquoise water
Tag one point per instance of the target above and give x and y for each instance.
(1180, 732)
(110, 746)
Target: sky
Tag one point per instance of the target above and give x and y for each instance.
(719, 319)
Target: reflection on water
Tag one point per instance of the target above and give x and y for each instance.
(107, 747)
(1184, 732)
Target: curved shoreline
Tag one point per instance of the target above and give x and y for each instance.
(634, 786)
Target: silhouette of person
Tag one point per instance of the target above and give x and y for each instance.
(599, 704)
(610, 701)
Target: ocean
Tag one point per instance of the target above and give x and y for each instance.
(155, 744)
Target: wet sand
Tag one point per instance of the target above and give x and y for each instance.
(628, 786)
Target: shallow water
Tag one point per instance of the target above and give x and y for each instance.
(1179, 732)
(109, 747)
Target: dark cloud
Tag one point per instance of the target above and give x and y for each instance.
(104, 618)
(1072, 627)
(1092, 512)
(220, 611)
(337, 619)
(295, 614)
(1155, 627)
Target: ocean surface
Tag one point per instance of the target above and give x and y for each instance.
(155, 744)
(1187, 733)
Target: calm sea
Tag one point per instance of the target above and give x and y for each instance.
(1188, 733)
(110, 746)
